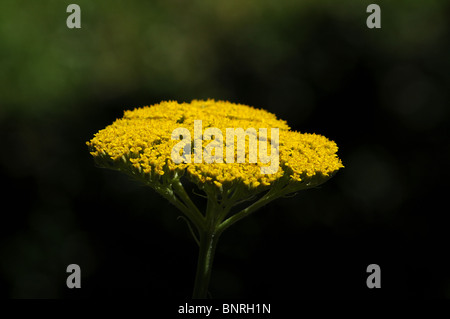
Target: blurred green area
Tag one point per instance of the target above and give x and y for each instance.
(180, 48)
(381, 94)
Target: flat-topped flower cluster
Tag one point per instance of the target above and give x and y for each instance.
(141, 144)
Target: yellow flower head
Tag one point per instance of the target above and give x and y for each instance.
(141, 144)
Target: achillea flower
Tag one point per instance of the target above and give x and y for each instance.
(141, 145)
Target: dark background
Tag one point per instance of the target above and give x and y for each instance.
(381, 94)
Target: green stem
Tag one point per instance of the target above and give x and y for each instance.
(208, 243)
(245, 212)
(274, 193)
(195, 215)
(172, 199)
(215, 226)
